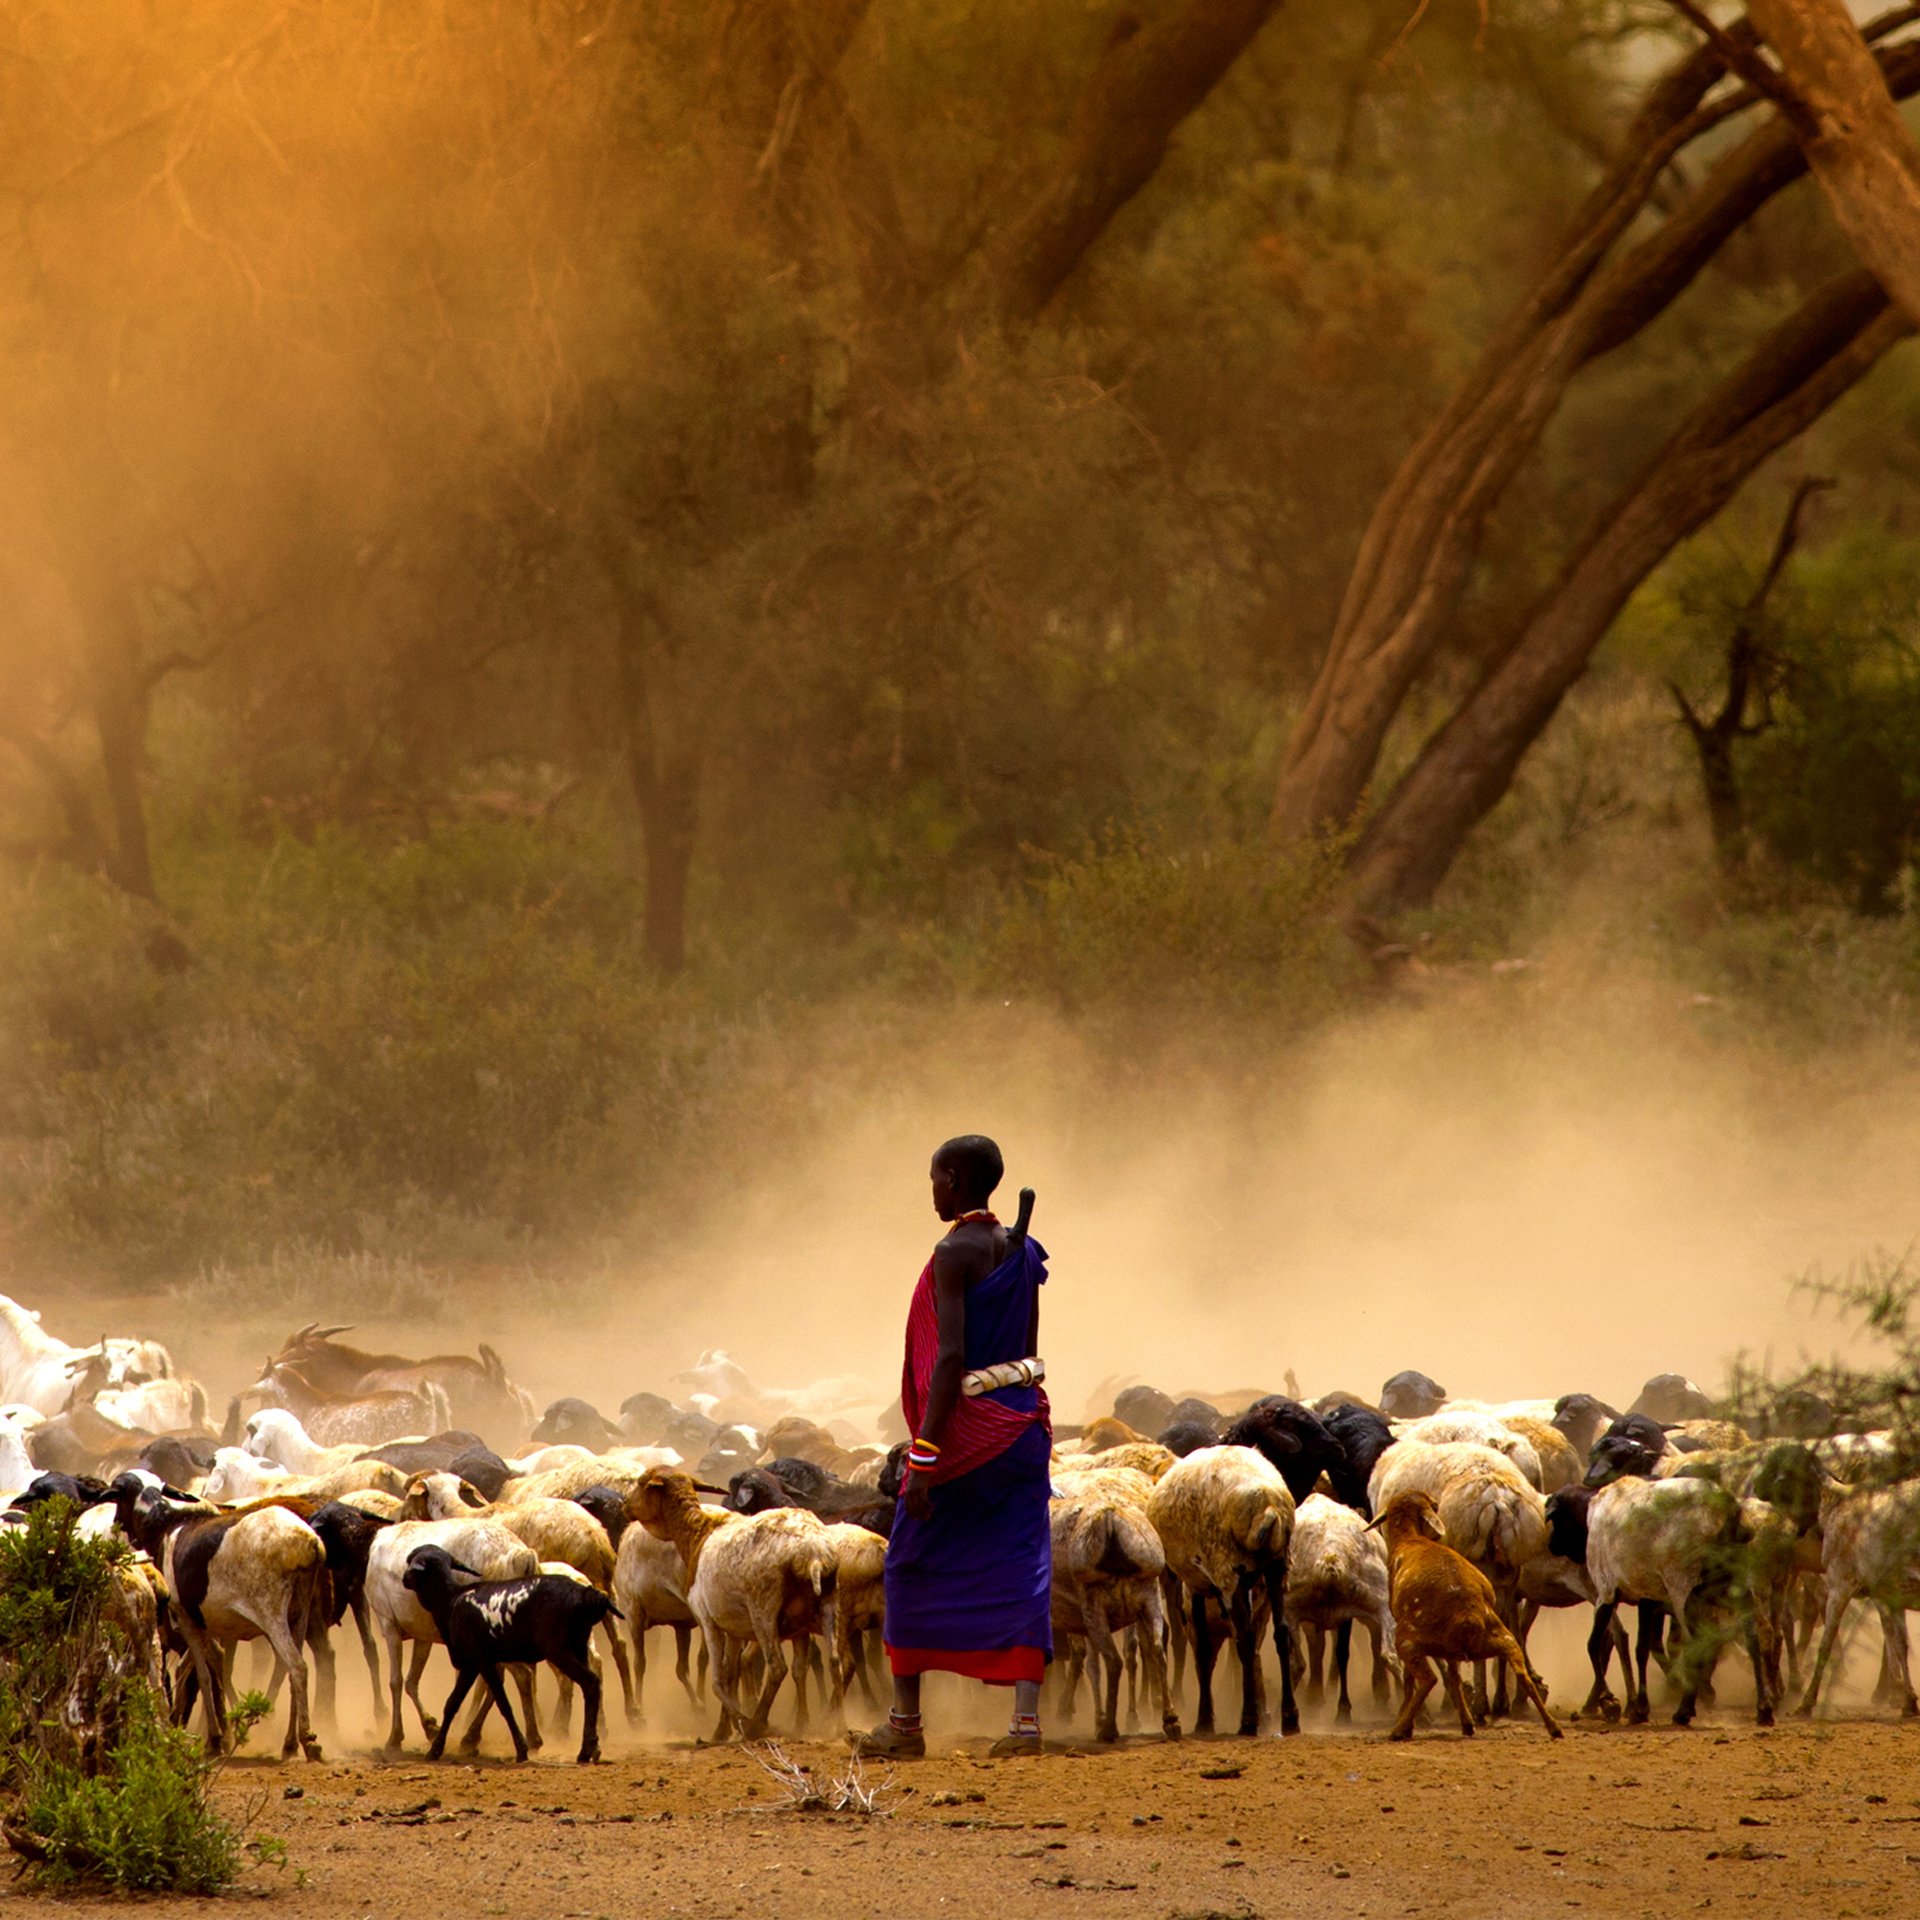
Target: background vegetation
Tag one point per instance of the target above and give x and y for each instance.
(561, 566)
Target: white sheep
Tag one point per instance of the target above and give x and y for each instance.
(650, 1589)
(730, 1394)
(859, 1599)
(1225, 1517)
(1854, 1457)
(170, 1405)
(622, 1470)
(17, 1471)
(1109, 1570)
(752, 1580)
(1681, 1544)
(35, 1367)
(1337, 1575)
(275, 1435)
(1448, 1428)
(237, 1476)
(1871, 1551)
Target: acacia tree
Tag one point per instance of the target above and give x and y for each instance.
(1611, 276)
(675, 482)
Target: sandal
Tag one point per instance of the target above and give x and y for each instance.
(1016, 1746)
(887, 1743)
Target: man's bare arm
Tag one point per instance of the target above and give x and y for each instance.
(955, 1268)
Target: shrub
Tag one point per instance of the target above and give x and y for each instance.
(141, 1823)
(97, 1787)
(1177, 933)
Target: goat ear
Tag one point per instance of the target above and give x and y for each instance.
(472, 1494)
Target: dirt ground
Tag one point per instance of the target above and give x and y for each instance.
(1821, 1820)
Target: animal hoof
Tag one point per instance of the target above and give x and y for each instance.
(1764, 1717)
(1401, 1733)
(1170, 1730)
(1290, 1725)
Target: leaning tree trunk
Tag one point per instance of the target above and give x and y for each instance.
(1416, 557)
(1859, 147)
(1784, 385)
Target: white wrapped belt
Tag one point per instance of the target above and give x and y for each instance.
(1009, 1373)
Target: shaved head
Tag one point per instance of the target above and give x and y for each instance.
(974, 1163)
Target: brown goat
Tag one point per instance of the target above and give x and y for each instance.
(1443, 1609)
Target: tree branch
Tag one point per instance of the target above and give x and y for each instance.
(1149, 77)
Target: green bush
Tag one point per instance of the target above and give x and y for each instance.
(142, 1823)
(1836, 783)
(97, 1788)
(1174, 933)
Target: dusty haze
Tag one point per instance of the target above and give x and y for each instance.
(1524, 1185)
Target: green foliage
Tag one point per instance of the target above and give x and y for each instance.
(451, 1029)
(98, 1788)
(1836, 783)
(1174, 934)
(1877, 1297)
(142, 1823)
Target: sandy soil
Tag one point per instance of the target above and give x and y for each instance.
(1822, 1820)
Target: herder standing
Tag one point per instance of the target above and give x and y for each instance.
(970, 1563)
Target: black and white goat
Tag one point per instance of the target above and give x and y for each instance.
(490, 1624)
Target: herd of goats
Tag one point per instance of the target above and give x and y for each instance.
(433, 1502)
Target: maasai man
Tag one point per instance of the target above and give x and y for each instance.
(970, 1563)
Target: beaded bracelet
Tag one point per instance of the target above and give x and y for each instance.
(922, 1456)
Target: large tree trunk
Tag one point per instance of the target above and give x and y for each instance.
(1858, 145)
(1785, 385)
(663, 768)
(1417, 554)
(119, 697)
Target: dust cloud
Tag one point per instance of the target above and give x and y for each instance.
(1521, 1185)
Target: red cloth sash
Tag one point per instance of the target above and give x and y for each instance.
(981, 1429)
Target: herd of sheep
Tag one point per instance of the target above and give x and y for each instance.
(435, 1505)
